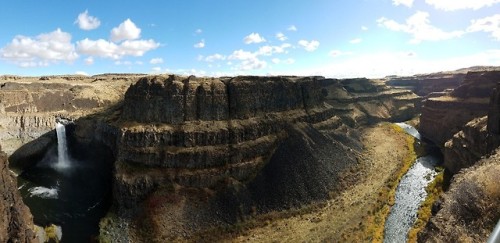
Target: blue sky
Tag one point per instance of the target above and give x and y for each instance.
(341, 38)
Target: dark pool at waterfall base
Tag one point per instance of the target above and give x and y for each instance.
(75, 198)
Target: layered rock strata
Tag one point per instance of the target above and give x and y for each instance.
(16, 222)
(445, 115)
(423, 85)
(29, 106)
(364, 101)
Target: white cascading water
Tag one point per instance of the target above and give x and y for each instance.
(62, 149)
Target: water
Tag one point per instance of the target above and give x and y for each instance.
(69, 188)
(410, 193)
(410, 130)
(63, 161)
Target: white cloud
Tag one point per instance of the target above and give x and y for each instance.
(355, 41)
(452, 5)
(292, 28)
(200, 44)
(81, 73)
(280, 36)
(253, 38)
(124, 63)
(275, 60)
(309, 45)
(215, 57)
(418, 25)
(270, 50)
(106, 49)
(407, 3)
(489, 24)
(364, 28)
(86, 22)
(42, 50)
(289, 61)
(89, 60)
(155, 61)
(198, 31)
(125, 31)
(248, 60)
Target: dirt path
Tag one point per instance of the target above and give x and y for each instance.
(343, 218)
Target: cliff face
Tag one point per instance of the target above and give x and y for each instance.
(423, 85)
(29, 106)
(445, 115)
(363, 101)
(248, 144)
(16, 223)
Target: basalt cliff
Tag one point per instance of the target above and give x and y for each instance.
(193, 154)
(465, 124)
(16, 223)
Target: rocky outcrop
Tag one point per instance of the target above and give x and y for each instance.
(423, 85)
(363, 101)
(249, 144)
(16, 223)
(30, 105)
(470, 209)
(445, 115)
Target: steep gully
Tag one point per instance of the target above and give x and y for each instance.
(131, 142)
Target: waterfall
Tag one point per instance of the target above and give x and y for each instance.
(62, 149)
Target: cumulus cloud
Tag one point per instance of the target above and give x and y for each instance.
(198, 31)
(418, 25)
(309, 45)
(253, 38)
(106, 49)
(249, 60)
(335, 53)
(355, 41)
(280, 36)
(155, 61)
(87, 22)
(489, 24)
(292, 28)
(452, 5)
(41, 50)
(200, 44)
(125, 31)
(215, 57)
(364, 28)
(407, 3)
(270, 50)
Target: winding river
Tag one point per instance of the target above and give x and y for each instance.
(410, 193)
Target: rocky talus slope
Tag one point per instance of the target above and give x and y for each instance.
(16, 223)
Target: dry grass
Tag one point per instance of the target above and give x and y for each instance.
(374, 227)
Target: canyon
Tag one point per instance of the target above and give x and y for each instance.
(192, 156)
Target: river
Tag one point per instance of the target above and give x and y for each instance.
(410, 193)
